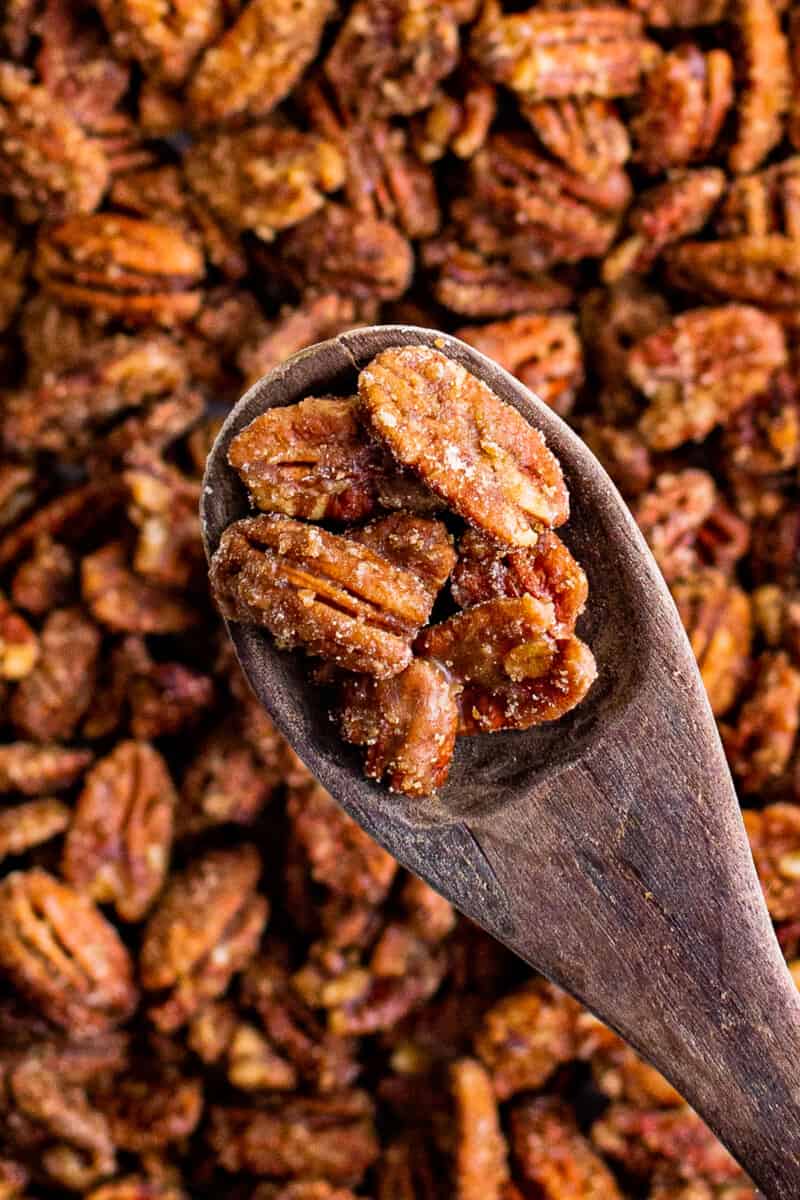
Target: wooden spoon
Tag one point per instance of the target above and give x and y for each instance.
(606, 849)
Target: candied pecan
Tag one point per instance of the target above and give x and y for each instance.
(167, 699)
(617, 1069)
(340, 855)
(513, 665)
(23, 826)
(483, 285)
(777, 618)
(153, 430)
(263, 179)
(544, 54)
(763, 58)
(76, 64)
(539, 211)
(331, 1137)
(431, 917)
(623, 453)
(62, 414)
(47, 163)
(390, 55)
(318, 317)
(257, 60)
(51, 699)
(686, 98)
(35, 770)
(762, 203)
(544, 353)
(478, 453)
(644, 1139)
(337, 599)
(163, 506)
(46, 579)
(526, 1036)
(320, 1057)
(225, 782)
(205, 928)
(56, 948)
(717, 618)
(137, 270)
(585, 132)
(210, 1031)
(553, 1157)
(763, 438)
(662, 215)
(670, 515)
(459, 123)
(308, 460)
(126, 603)
(165, 42)
(254, 1065)
(612, 319)
(760, 743)
(408, 724)
(415, 543)
(776, 547)
(151, 1108)
(480, 1153)
(547, 571)
(774, 835)
(117, 848)
(338, 249)
(759, 270)
(700, 367)
(19, 645)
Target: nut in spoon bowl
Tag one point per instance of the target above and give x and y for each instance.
(607, 848)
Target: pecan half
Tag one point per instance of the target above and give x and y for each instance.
(685, 100)
(716, 615)
(263, 179)
(137, 270)
(758, 270)
(585, 132)
(763, 55)
(548, 572)
(50, 701)
(257, 60)
(337, 599)
(762, 203)
(149, 1109)
(514, 668)
(476, 452)
(474, 284)
(698, 369)
(206, 927)
(318, 317)
(164, 42)
(416, 544)
(117, 848)
(23, 826)
(544, 352)
(48, 165)
(552, 1155)
(480, 1153)
(61, 952)
(127, 603)
(408, 724)
(526, 1036)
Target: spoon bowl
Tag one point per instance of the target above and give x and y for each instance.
(607, 849)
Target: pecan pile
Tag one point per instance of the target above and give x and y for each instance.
(361, 597)
(213, 984)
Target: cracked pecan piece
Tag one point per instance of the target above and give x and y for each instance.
(337, 599)
(760, 743)
(700, 367)
(408, 724)
(476, 284)
(478, 453)
(204, 930)
(551, 53)
(717, 617)
(684, 103)
(662, 215)
(390, 55)
(548, 572)
(330, 1137)
(263, 179)
(756, 270)
(165, 42)
(48, 165)
(23, 826)
(763, 62)
(56, 948)
(140, 271)
(553, 1157)
(513, 666)
(257, 61)
(341, 250)
(118, 845)
(585, 132)
(309, 460)
(544, 352)
(51, 699)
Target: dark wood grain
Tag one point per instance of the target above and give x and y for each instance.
(606, 849)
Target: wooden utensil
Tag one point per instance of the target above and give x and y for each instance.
(606, 849)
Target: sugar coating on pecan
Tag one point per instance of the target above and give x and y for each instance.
(479, 454)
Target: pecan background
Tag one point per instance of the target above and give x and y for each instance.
(601, 196)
